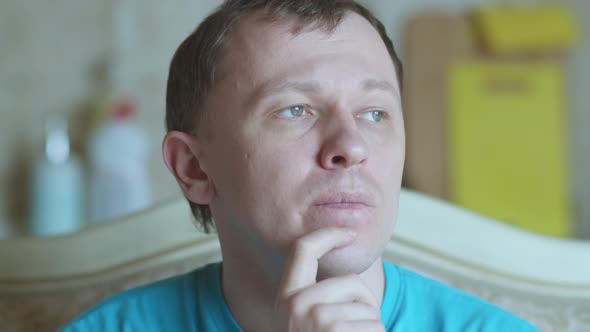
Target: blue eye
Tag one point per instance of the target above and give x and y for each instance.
(296, 111)
(374, 116)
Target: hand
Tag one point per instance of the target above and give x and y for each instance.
(335, 304)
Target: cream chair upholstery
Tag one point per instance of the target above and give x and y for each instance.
(44, 282)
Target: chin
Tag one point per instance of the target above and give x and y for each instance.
(346, 261)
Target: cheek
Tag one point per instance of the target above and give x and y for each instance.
(269, 196)
(271, 172)
(389, 160)
(276, 173)
(389, 166)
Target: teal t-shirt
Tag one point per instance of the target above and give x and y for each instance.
(195, 302)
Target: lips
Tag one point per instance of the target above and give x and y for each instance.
(344, 200)
(351, 209)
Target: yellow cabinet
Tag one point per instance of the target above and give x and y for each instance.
(508, 143)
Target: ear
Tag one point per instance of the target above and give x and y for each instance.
(181, 154)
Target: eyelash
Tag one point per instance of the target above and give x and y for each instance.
(382, 113)
(307, 109)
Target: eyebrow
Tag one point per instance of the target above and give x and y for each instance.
(383, 85)
(277, 86)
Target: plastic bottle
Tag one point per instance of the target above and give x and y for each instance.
(57, 185)
(119, 153)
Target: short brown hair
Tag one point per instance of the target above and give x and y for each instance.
(193, 67)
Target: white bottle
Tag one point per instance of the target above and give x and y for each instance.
(119, 154)
(57, 200)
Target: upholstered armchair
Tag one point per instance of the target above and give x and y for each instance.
(44, 282)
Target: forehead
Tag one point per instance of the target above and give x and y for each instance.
(258, 48)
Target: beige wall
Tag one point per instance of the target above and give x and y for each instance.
(48, 50)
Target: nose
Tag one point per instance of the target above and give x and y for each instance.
(343, 145)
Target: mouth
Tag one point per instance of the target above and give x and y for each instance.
(344, 201)
(343, 209)
(343, 205)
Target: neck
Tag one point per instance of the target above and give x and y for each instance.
(250, 288)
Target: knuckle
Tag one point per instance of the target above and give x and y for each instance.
(282, 299)
(354, 278)
(378, 326)
(335, 326)
(316, 313)
(300, 247)
(295, 306)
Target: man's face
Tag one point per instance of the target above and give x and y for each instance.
(305, 131)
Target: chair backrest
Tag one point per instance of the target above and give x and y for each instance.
(44, 282)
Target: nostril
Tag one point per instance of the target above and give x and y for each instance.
(337, 159)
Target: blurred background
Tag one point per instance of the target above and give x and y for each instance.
(495, 100)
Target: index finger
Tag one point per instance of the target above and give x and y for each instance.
(302, 266)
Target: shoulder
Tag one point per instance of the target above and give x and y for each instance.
(162, 305)
(451, 309)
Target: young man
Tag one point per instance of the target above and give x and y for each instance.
(285, 124)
